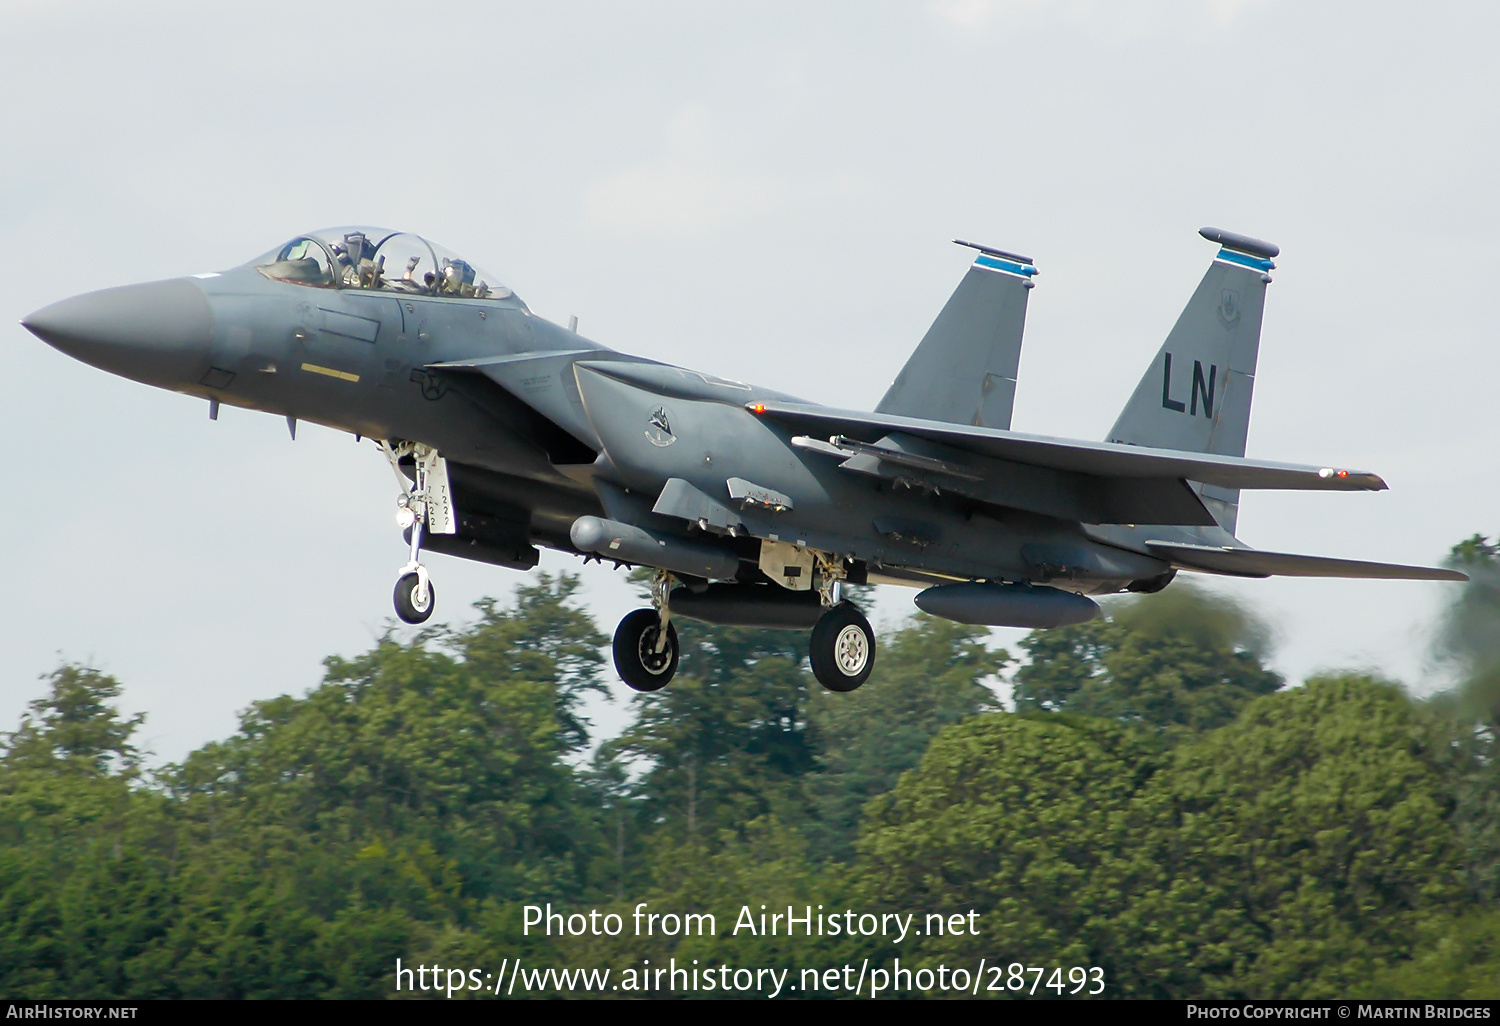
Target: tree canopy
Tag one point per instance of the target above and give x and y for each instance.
(1177, 662)
(1158, 805)
(1469, 635)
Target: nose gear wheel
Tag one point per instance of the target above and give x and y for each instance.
(414, 598)
(425, 504)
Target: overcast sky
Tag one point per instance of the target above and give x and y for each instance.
(764, 191)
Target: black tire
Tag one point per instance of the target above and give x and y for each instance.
(406, 605)
(842, 650)
(636, 659)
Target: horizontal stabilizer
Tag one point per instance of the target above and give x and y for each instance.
(1254, 563)
(1100, 459)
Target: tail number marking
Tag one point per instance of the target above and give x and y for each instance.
(1201, 388)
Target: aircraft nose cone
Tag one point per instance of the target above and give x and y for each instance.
(159, 333)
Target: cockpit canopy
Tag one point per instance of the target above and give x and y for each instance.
(381, 260)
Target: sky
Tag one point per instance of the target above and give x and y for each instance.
(763, 191)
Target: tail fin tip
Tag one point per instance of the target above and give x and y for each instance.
(1241, 243)
(992, 251)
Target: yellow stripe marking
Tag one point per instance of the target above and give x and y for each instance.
(341, 375)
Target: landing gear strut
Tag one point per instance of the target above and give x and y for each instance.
(425, 504)
(645, 646)
(842, 648)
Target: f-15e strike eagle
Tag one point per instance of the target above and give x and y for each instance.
(507, 431)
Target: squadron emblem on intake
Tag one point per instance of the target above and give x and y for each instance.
(659, 429)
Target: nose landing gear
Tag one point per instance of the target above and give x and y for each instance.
(426, 503)
(414, 596)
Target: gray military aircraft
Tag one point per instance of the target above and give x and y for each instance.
(507, 431)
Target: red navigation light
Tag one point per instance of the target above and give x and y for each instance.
(757, 408)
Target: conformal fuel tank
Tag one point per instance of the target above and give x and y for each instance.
(1007, 605)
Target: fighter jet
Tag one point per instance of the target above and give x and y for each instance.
(507, 432)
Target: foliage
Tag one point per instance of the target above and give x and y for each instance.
(1468, 642)
(85, 861)
(1469, 635)
(1180, 662)
(728, 740)
(1454, 957)
(1011, 817)
(930, 673)
(761, 868)
(414, 792)
(1292, 853)
(1156, 807)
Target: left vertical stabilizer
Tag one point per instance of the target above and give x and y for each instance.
(964, 370)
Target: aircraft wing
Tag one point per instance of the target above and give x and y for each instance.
(1239, 562)
(1099, 459)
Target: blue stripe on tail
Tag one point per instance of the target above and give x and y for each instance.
(994, 263)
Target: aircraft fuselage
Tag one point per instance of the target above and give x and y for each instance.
(508, 432)
(363, 362)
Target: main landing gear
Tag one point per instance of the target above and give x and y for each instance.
(423, 504)
(841, 650)
(645, 647)
(842, 647)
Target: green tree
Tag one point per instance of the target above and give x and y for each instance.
(930, 673)
(1009, 817)
(728, 740)
(543, 638)
(85, 854)
(406, 805)
(762, 865)
(1181, 661)
(1454, 957)
(398, 748)
(1468, 641)
(414, 793)
(75, 728)
(1292, 854)
(1469, 634)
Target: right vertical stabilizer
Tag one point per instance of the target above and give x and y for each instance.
(1196, 394)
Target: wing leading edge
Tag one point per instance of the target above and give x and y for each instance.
(1100, 459)
(1124, 463)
